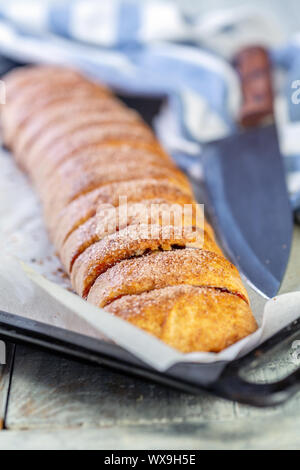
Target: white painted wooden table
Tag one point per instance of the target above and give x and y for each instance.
(50, 402)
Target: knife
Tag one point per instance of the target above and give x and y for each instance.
(245, 182)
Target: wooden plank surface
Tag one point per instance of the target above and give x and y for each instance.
(49, 392)
(242, 434)
(57, 403)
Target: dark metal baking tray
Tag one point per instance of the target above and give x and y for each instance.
(230, 385)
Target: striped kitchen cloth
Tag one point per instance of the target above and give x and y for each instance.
(153, 49)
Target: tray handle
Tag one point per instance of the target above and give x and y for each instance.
(233, 386)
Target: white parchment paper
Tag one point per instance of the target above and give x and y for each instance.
(33, 285)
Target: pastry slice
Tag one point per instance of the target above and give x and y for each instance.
(84, 120)
(135, 240)
(164, 269)
(109, 220)
(17, 115)
(62, 224)
(56, 113)
(19, 79)
(188, 318)
(56, 197)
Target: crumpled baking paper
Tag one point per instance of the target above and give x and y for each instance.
(33, 285)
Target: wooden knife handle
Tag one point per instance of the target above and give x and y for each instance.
(254, 67)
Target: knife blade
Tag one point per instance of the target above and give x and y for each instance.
(246, 189)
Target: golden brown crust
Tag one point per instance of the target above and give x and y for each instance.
(63, 130)
(106, 154)
(109, 220)
(24, 100)
(63, 223)
(156, 267)
(20, 78)
(17, 115)
(56, 197)
(106, 164)
(159, 270)
(57, 113)
(188, 318)
(135, 240)
(136, 134)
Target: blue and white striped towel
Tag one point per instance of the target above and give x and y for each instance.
(152, 48)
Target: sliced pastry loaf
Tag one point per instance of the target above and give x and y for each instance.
(121, 215)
